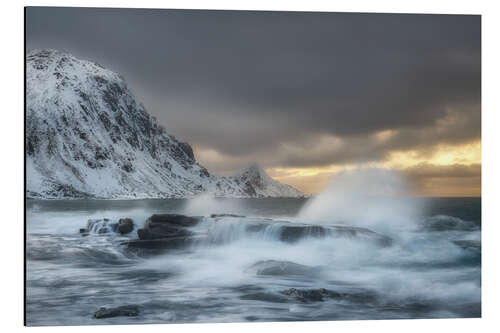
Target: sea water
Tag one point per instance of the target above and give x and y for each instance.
(423, 274)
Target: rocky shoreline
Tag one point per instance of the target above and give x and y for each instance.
(171, 231)
(162, 233)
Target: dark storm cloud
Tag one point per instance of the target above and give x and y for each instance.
(250, 83)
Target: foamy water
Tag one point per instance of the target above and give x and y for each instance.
(423, 274)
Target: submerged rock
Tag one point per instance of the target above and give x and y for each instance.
(319, 295)
(276, 268)
(121, 311)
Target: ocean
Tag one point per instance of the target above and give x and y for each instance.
(430, 269)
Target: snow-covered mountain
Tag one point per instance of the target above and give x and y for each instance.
(88, 137)
(258, 183)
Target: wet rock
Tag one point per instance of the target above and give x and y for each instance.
(320, 295)
(174, 219)
(294, 232)
(144, 234)
(165, 231)
(121, 311)
(277, 268)
(311, 295)
(225, 215)
(167, 225)
(174, 226)
(125, 225)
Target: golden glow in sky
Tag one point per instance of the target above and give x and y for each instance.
(432, 163)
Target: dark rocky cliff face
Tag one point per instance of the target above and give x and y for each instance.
(87, 136)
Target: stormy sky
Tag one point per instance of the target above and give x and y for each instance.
(303, 94)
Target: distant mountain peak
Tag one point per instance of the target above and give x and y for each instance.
(255, 177)
(253, 169)
(87, 136)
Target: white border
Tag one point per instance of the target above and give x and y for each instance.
(11, 193)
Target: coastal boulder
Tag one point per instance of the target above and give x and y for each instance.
(121, 311)
(167, 226)
(125, 225)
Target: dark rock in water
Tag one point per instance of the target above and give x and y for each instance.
(121, 311)
(83, 230)
(175, 219)
(125, 225)
(275, 267)
(468, 244)
(143, 234)
(167, 225)
(171, 229)
(312, 295)
(225, 215)
(319, 295)
(294, 232)
(165, 231)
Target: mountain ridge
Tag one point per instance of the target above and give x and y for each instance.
(88, 137)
